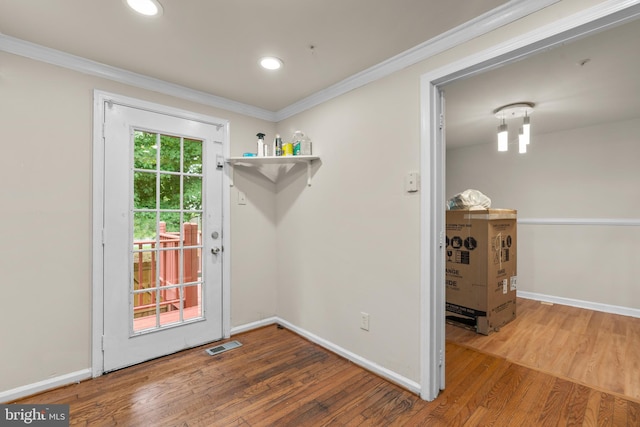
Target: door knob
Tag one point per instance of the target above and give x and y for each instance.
(215, 250)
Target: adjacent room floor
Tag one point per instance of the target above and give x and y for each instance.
(593, 348)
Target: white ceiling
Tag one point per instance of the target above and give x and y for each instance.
(213, 46)
(567, 95)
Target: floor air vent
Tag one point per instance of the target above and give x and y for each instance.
(223, 347)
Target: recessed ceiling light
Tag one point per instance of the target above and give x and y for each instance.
(270, 62)
(145, 7)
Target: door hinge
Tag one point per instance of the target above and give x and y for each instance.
(441, 121)
(441, 239)
(102, 343)
(103, 237)
(440, 359)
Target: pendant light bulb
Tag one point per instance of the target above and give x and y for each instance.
(522, 143)
(526, 129)
(503, 137)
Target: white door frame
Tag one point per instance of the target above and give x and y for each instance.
(99, 100)
(432, 161)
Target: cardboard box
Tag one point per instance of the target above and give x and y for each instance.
(481, 268)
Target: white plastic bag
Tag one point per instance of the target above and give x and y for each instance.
(469, 200)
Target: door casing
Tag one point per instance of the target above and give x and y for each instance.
(100, 98)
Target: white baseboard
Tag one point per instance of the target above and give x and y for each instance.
(30, 389)
(352, 357)
(606, 308)
(254, 325)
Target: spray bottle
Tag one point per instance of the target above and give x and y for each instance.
(262, 148)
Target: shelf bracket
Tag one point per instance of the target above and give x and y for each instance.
(230, 174)
(308, 173)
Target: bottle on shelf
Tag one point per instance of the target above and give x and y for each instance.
(301, 144)
(277, 145)
(287, 149)
(262, 147)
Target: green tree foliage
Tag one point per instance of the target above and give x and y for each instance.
(165, 171)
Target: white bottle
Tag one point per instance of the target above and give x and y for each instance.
(261, 145)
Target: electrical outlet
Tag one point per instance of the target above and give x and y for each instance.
(364, 321)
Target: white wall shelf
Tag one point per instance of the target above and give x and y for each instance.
(272, 167)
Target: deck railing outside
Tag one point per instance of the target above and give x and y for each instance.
(168, 257)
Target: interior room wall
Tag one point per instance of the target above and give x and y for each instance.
(587, 173)
(350, 243)
(45, 219)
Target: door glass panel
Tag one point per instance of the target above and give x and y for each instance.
(170, 308)
(170, 153)
(144, 229)
(167, 235)
(144, 275)
(144, 190)
(192, 193)
(170, 224)
(192, 156)
(145, 151)
(169, 191)
(192, 305)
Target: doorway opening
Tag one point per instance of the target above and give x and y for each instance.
(433, 143)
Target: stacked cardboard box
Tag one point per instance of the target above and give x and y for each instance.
(481, 268)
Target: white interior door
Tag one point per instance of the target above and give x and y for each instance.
(162, 287)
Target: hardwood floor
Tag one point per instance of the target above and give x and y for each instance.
(597, 349)
(279, 379)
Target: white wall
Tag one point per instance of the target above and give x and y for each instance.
(581, 173)
(45, 220)
(350, 243)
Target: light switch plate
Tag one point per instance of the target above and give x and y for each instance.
(411, 182)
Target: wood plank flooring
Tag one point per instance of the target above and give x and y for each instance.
(597, 349)
(279, 379)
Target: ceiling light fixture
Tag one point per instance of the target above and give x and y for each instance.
(271, 62)
(512, 111)
(145, 7)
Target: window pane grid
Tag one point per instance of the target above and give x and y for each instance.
(167, 210)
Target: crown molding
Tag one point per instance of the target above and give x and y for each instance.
(503, 15)
(500, 16)
(55, 57)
